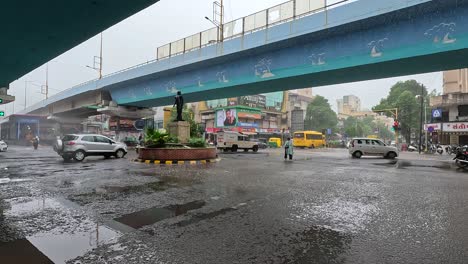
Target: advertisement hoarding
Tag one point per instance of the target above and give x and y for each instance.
(226, 117)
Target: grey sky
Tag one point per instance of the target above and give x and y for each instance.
(135, 40)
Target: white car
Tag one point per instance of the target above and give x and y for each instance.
(371, 147)
(3, 146)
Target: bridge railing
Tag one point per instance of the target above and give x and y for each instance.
(264, 19)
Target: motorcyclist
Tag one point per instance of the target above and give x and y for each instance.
(35, 142)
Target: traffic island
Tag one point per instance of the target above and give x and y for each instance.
(179, 156)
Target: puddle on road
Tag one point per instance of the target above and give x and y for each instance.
(62, 247)
(67, 240)
(18, 209)
(112, 192)
(200, 217)
(22, 252)
(156, 214)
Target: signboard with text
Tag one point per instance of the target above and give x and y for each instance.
(455, 127)
(433, 127)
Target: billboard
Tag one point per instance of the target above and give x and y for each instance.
(226, 117)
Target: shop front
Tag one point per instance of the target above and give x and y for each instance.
(454, 133)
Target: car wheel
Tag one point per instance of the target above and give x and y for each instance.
(79, 155)
(357, 154)
(234, 148)
(255, 148)
(391, 155)
(120, 153)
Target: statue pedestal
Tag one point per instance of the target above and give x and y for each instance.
(181, 130)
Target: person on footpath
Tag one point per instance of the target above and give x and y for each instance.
(288, 149)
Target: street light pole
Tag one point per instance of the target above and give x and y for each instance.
(100, 60)
(421, 119)
(47, 82)
(221, 26)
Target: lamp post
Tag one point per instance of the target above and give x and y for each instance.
(421, 119)
(220, 24)
(98, 68)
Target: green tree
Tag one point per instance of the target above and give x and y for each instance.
(363, 127)
(319, 115)
(403, 96)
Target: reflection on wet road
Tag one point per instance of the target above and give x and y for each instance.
(323, 207)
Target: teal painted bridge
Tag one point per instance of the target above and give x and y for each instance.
(352, 41)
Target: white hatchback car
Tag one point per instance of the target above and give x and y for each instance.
(371, 147)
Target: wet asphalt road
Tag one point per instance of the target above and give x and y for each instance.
(323, 207)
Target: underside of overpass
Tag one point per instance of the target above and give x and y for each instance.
(34, 32)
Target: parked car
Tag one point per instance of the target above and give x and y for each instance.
(3, 146)
(79, 146)
(261, 144)
(371, 147)
(131, 142)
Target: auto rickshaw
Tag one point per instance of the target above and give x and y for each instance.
(274, 142)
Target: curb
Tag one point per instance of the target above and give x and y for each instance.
(177, 162)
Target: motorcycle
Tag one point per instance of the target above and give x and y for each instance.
(451, 149)
(440, 149)
(412, 148)
(461, 160)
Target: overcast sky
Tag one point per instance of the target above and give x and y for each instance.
(134, 41)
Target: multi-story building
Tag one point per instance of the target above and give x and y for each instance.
(449, 122)
(269, 113)
(349, 104)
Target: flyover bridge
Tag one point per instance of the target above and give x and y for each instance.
(301, 43)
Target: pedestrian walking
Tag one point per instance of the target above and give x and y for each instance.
(288, 149)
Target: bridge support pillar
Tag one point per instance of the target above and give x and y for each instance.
(181, 130)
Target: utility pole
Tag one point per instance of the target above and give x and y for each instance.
(100, 60)
(221, 26)
(25, 88)
(97, 65)
(421, 119)
(47, 82)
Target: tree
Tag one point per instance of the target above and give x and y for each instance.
(403, 96)
(319, 115)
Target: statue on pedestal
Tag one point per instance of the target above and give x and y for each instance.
(179, 102)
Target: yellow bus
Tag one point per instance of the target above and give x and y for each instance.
(308, 139)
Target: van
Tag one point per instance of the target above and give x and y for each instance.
(233, 141)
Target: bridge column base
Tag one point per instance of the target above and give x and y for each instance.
(181, 130)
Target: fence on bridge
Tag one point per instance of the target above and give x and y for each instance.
(270, 17)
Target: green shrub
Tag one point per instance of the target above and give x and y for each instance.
(197, 143)
(154, 138)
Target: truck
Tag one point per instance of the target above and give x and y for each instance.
(234, 141)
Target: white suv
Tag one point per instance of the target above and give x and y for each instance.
(78, 146)
(371, 147)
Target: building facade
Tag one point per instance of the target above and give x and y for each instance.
(449, 111)
(349, 104)
(263, 114)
